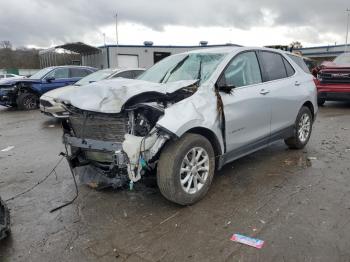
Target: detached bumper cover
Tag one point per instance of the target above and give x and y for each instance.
(4, 220)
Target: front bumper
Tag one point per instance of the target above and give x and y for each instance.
(90, 144)
(7, 98)
(98, 164)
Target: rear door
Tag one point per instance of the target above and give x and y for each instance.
(283, 85)
(247, 111)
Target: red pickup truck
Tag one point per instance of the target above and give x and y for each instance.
(333, 79)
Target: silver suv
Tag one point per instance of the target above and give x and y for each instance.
(186, 117)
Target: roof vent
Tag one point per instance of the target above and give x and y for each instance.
(203, 43)
(148, 43)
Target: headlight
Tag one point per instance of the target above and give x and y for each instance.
(11, 88)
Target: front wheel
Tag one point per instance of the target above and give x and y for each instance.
(186, 169)
(27, 101)
(302, 130)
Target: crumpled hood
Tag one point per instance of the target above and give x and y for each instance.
(108, 96)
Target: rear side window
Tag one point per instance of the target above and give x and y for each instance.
(289, 68)
(273, 65)
(300, 62)
(79, 72)
(9, 76)
(1, 76)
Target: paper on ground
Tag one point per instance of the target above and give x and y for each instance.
(253, 242)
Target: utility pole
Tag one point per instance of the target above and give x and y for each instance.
(104, 39)
(347, 30)
(116, 27)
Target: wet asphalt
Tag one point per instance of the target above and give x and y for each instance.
(298, 202)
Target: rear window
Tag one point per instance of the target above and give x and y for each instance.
(300, 62)
(273, 66)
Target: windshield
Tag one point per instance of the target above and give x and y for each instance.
(183, 67)
(342, 59)
(41, 73)
(94, 77)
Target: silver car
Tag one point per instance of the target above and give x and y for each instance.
(48, 105)
(188, 116)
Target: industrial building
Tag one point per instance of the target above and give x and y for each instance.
(112, 56)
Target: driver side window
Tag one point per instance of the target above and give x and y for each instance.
(243, 70)
(59, 73)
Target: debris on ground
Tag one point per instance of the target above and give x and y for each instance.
(7, 148)
(253, 242)
(310, 158)
(4, 220)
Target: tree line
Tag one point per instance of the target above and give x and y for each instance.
(20, 57)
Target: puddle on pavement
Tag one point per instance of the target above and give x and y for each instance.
(304, 162)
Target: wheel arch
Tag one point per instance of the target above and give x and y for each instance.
(210, 135)
(309, 105)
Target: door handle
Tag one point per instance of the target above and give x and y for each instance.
(297, 83)
(264, 91)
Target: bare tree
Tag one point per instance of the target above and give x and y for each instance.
(295, 44)
(5, 44)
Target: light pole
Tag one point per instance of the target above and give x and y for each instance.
(347, 30)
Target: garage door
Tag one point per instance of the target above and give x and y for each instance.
(128, 61)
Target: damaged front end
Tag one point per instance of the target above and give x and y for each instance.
(114, 149)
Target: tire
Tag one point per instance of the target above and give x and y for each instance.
(172, 160)
(302, 130)
(27, 101)
(321, 101)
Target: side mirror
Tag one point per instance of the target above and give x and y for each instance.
(50, 79)
(225, 88)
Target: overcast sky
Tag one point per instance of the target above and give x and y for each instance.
(44, 23)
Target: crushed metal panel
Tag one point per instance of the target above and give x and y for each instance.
(109, 96)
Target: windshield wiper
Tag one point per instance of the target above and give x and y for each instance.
(174, 69)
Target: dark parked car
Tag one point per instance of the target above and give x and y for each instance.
(25, 93)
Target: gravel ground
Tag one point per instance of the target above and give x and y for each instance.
(300, 207)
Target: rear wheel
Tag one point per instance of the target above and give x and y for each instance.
(186, 169)
(27, 101)
(302, 130)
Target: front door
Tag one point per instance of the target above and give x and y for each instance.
(247, 110)
(57, 78)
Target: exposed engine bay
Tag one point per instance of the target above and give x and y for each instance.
(112, 149)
